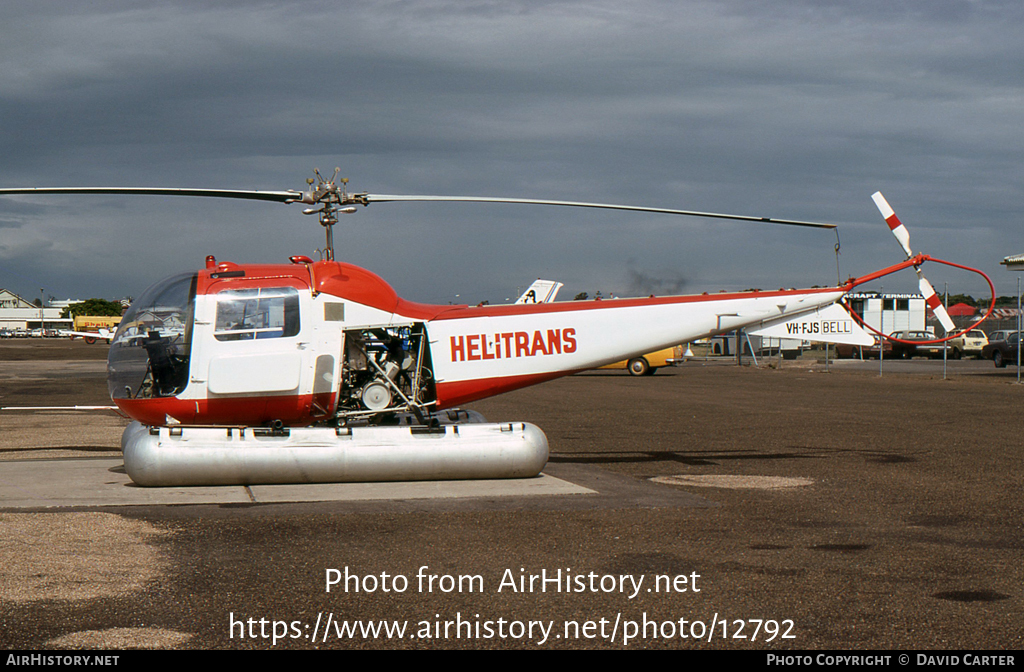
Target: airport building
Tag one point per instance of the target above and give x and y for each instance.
(17, 314)
(889, 312)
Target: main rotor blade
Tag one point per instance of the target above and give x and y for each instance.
(278, 196)
(384, 198)
(365, 199)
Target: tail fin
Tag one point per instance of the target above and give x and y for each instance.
(541, 291)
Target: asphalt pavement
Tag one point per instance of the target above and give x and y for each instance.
(787, 506)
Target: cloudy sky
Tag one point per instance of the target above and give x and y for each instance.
(791, 109)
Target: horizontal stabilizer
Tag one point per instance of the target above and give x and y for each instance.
(831, 324)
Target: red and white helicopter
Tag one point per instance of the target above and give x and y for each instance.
(317, 371)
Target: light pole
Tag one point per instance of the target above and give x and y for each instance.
(881, 329)
(945, 346)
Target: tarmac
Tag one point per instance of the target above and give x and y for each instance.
(790, 506)
(103, 482)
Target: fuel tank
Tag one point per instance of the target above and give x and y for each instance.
(177, 455)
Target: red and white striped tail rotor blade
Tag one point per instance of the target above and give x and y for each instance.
(932, 300)
(895, 225)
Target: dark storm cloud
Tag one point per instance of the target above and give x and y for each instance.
(792, 109)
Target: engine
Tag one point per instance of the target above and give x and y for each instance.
(385, 371)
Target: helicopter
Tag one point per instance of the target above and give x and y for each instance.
(317, 371)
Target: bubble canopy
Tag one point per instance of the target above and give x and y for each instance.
(150, 352)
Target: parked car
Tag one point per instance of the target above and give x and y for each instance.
(1002, 352)
(647, 364)
(1001, 335)
(917, 347)
(970, 344)
(846, 351)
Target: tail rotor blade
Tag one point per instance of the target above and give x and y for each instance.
(895, 225)
(932, 300)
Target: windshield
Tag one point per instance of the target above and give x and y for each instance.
(149, 354)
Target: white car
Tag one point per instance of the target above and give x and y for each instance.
(969, 344)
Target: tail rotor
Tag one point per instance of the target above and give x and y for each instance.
(903, 236)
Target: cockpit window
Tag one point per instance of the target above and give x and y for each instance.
(150, 353)
(250, 314)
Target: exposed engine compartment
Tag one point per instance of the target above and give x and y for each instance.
(385, 371)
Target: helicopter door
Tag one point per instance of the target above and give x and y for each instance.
(256, 346)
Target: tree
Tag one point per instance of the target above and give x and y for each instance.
(962, 298)
(94, 307)
(1005, 302)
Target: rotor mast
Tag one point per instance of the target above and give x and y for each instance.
(330, 197)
